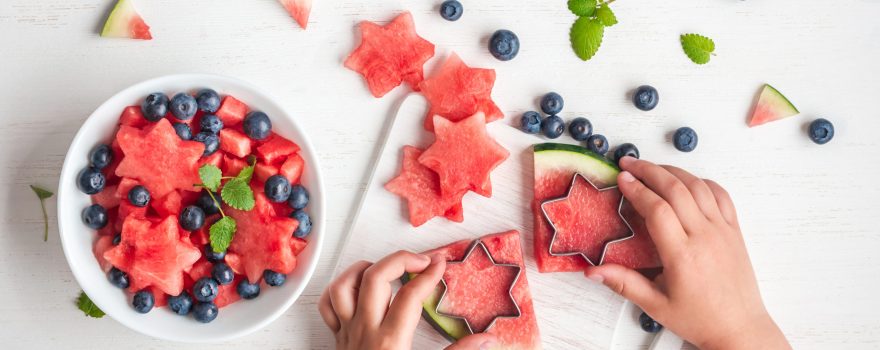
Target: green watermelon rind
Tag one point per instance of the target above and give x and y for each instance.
(450, 328)
(600, 170)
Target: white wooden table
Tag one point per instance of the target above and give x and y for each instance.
(806, 210)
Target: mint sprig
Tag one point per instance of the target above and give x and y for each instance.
(697, 47)
(236, 193)
(589, 28)
(582, 7)
(42, 195)
(88, 307)
(221, 233)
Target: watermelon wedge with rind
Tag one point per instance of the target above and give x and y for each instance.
(771, 106)
(299, 10)
(125, 22)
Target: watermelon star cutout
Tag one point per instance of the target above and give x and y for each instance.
(592, 220)
(262, 240)
(478, 277)
(390, 55)
(463, 155)
(458, 91)
(159, 158)
(420, 187)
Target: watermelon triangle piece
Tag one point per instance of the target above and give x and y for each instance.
(771, 106)
(299, 10)
(125, 22)
(458, 91)
(420, 187)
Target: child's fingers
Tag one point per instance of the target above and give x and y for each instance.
(343, 291)
(375, 290)
(699, 190)
(403, 316)
(479, 341)
(325, 308)
(725, 204)
(668, 187)
(630, 285)
(660, 219)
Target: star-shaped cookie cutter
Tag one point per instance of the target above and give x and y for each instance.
(474, 245)
(605, 246)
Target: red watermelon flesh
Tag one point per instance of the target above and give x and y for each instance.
(158, 158)
(292, 168)
(171, 204)
(134, 117)
(262, 171)
(262, 241)
(102, 245)
(232, 166)
(106, 198)
(457, 92)
(391, 54)
(215, 159)
(226, 294)
(232, 111)
(638, 252)
(234, 142)
(771, 106)
(275, 149)
(125, 185)
(299, 10)
(420, 187)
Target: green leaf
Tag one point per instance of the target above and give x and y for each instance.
(246, 174)
(221, 233)
(606, 16)
(697, 47)
(582, 7)
(238, 194)
(41, 192)
(586, 37)
(88, 307)
(210, 176)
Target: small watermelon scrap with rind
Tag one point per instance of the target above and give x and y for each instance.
(299, 10)
(771, 106)
(457, 92)
(262, 240)
(125, 22)
(420, 187)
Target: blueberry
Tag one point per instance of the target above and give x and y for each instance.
(580, 129)
(648, 324)
(192, 218)
(248, 290)
(208, 205)
(100, 156)
(530, 122)
(504, 45)
(183, 131)
(155, 106)
(208, 100)
(211, 123)
(222, 273)
(205, 289)
(205, 312)
(90, 180)
(552, 126)
(277, 188)
(143, 301)
(183, 106)
(552, 103)
(299, 197)
(685, 139)
(646, 97)
(213, 256)
(139, 196)
(598, 143)
(211, 141)
(451, 10)
(625, 150)
(273, 278)
(118, 278)
(821, 131)
(117, 239)
(95, 216)
(305, 224)
(180, 304)
(257, 125)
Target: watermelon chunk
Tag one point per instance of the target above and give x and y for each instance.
(232, 166)
(171, 204)
(232, 111)
(457, 92)
(292, 168)
(125, 22)
(215, 159)
(771, 106)
(420, 187)
(133, 116)
(262, 171)
(299, 10)
(226, 294)
(102, 245)
(234, 142)
(106, 198)
(262, 241)
(276, 148)
(390, 55)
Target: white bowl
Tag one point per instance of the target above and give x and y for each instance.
(235, 320)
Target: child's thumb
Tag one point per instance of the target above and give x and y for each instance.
(629, 284)
(479, 341)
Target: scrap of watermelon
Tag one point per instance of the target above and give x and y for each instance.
(234, 262)
(232, 111)
(235, 142)
(463, 155)
(112, 223)
(420, 187)
(125, 22)
(110, 170)
(232, 166)
(102, 245)
(771, 106)
(276, 148)
(292, 168)
(262, 171)
(297, 245)
(106, 198)
(125, 185)
(226, 294)
(158, 158)
(457, 92)
(299, 10)
(262, 241)
(390, 55)
(159, 297)
(134, 117)
(215, 159)
(171, 204)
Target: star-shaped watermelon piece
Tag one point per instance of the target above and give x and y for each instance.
(161, 160)
(420, 187)
(586, 220)
(458, 91)
(262, 240)
(390, 54)
(463, 155)
(153, 254)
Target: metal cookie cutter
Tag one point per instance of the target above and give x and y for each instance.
(574, 178)
(474, 245)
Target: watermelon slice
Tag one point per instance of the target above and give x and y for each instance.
(463, 155)
(771, 106)
(513, 333)
(457, 92)
(390, 55)
(262, 240)
(158, 158)
(420, 187)
(125, 22)
(299, 10)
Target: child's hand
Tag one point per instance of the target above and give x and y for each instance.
(707, 293)
(358, 308)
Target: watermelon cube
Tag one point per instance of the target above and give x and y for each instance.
(134, 117)
(106, 198)
(263, 171)
(232, 111)
(276, 148)
(102, 245)
(292, 168)
(171, 204)
(215, 159)
(232, 166)
(234, 142)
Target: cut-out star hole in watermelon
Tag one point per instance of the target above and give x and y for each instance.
(390, 55)
(463, 155)
(262, 241)
(458, 91)
(420, 187)
(159, 158)
(478, 277)
(586, 220)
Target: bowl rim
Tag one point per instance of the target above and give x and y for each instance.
(316, 238)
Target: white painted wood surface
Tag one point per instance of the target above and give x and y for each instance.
(807, 210)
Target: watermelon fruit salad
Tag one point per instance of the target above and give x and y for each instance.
(154, 217)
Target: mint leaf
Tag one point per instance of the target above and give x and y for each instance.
(582, 7)
(238, 194)
(606, 16)
(42, 194)
(88, 307)
(586, 37)
(697, 47)
(246, 174)
(221, 233)
(210, 176)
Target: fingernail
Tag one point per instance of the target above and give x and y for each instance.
(626, 160)
(626, 176)
(596, 278)
(488, 345)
